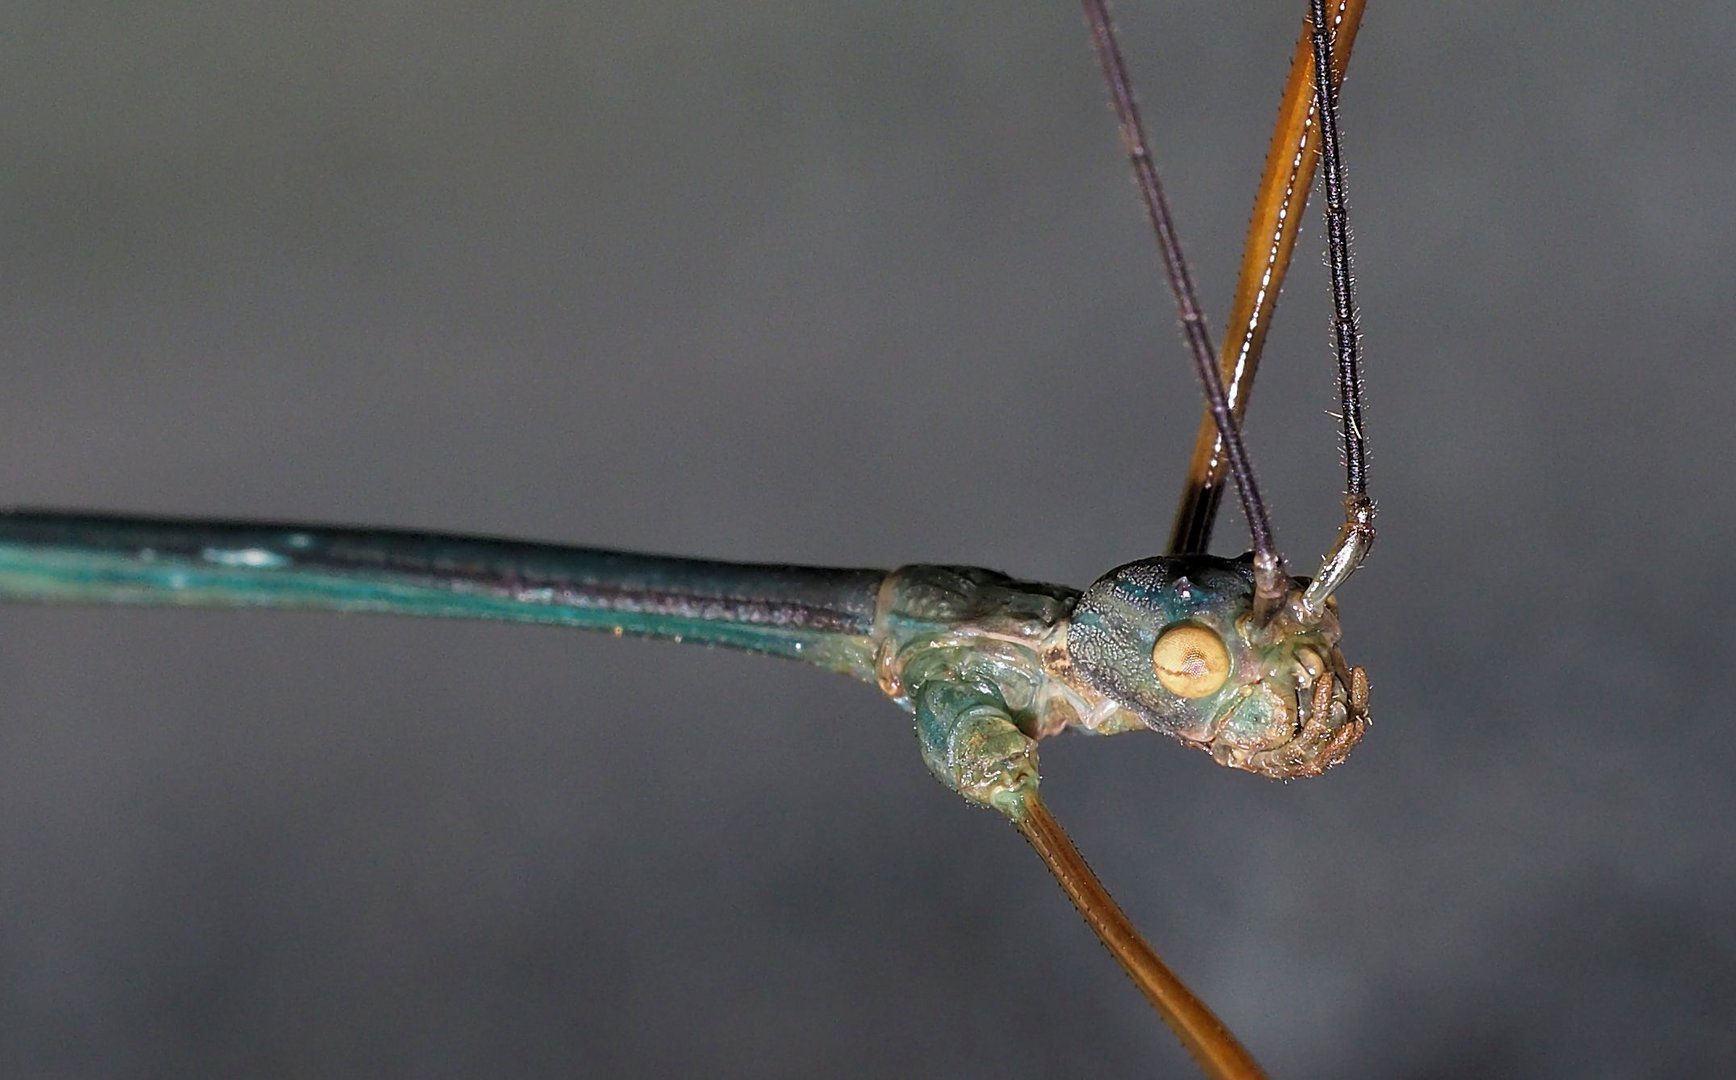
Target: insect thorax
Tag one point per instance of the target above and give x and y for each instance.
(968, 624)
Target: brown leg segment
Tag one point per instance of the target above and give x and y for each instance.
(1212, 1045)
(1277, 217)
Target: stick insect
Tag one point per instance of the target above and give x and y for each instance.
(985, 662)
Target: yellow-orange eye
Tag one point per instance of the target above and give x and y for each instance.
(1191, 661)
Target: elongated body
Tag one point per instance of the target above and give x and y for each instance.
(824, 616)
(1231, 656)
(988, 664)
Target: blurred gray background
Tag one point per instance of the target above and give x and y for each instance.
(858, 285)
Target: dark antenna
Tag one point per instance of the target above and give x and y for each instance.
(1267, 561)
(1356, 536)
(1359, 510)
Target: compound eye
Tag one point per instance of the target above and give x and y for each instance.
(1190, 660)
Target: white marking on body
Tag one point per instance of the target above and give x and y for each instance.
(249, 557)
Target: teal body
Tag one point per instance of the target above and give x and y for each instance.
(987, 664)
(822, 616)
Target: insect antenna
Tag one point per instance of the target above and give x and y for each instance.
(1268, 564)
(1357, 534)
(1205, 1037)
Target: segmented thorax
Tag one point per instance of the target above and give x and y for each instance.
(965, 623)
(1166, 644)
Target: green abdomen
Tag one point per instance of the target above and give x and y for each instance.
(823, 616)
